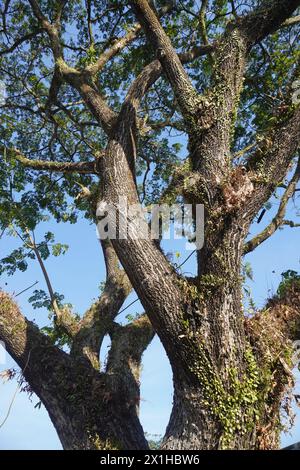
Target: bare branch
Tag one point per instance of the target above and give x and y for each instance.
(20, 41)
(63, 317)
(56, 83)
(90, 26)
(52, 30)
(120, 44)
(290, 223)
(291, 21)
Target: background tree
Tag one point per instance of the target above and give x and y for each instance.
(94, 92)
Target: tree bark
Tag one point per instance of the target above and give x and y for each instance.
(89, 409)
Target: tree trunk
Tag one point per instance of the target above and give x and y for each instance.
(216, 401)
(94, 415)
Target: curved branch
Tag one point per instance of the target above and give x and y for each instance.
(278, 220)
(20, 41)
(98, 319)
(29, 347)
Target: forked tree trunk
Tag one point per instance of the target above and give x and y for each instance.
(95, 416)
(89, 409)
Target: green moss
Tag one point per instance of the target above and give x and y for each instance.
(100, 444)
(211, 282)
(236, 406)
(190, 291)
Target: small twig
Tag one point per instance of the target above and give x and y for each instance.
(15, 393)
(27, 288)
(125, 308)
(134, 301)
(186, 259)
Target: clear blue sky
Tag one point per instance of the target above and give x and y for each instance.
(78, 275)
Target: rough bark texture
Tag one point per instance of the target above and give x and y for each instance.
(83, 404)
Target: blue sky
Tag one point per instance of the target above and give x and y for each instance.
(77, 275)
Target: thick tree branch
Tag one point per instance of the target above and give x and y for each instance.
(211, 147)
(128, 344)
(91, 96)
(278, 220)
(185, 92)
(97, 321)
(29, 347)
(266, 19)
(270, 162)
(60, 167)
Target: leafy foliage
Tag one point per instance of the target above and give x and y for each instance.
(289, 279)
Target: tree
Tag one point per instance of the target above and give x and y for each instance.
(93, 91)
